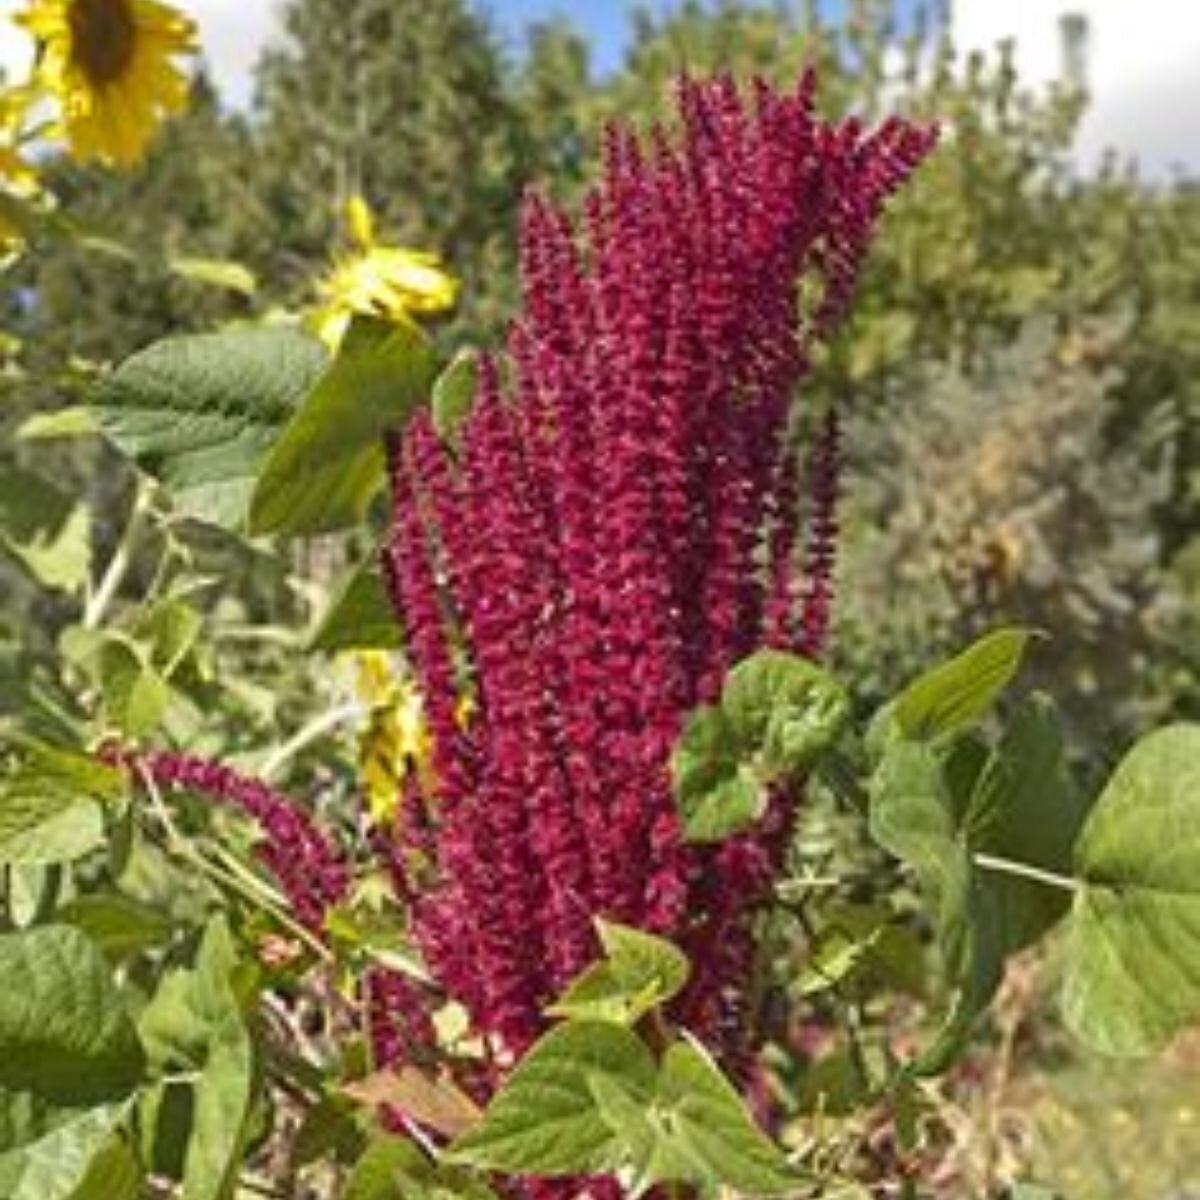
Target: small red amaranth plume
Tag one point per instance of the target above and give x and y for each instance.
(619, 526)
(311, 870)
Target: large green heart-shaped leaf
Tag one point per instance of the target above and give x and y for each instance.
(545, 1120)
(1133, 951)
(328, 462)
(696, 1131)
(200, 412)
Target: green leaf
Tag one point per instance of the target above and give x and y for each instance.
(832, 1086)
(361, 617)
(715, 789)
(48, 814)
(919, 800)
(947, 808)
(195, 1020)
(328, 462)
(75, 421)
(46, 530)
(639, 972)
(200, 412)
(328, 1128)
(701, 1133)
(216, 272)
(393, 1169)
(778, 712)
(544, 1121)
(119, 925)
(837, 955)
(134, 693)
(1133, 948)
(953, 696)
(114, 1174)
(57, 1165)
(785, 707)
(454, 395)
(64, 1032)
(170, 630)
(1026, 808)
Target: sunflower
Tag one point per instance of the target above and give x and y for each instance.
(390, 282)
(110, 65)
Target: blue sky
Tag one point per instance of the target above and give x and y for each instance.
(606, 23)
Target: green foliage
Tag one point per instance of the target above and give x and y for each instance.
(589, 1098)
(696, 1130)
(999, 842)
(392, 1169)
(546, 1119)
(360, 616)
(59, 1164)
(65, 1036)
(327, 462)
(200, 413)
(638, 973)
(51, 807)
(777, 713)
(453, 395)
(953, 697)
(1133, 949)
(195, 1022)
(44, 529)
(1025, 345)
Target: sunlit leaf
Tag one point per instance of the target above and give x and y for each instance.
(639, 972)
(200, 412)
(328, 462)
(544, 1120)
(64, 1031)
(1133, 948)
(953, 696)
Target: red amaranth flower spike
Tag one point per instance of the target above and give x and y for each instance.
(311, 870)
(620, 524)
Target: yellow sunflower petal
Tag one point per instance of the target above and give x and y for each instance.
(111, 66)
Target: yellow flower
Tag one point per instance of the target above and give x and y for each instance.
(390, 282)
(15, 173)
(110, 65)
(396, 740)
(18, 179)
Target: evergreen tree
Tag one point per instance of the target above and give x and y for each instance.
(98, 298)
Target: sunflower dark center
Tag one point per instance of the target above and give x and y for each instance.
(103, 35)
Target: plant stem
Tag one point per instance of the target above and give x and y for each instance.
(229, 872)
(313, 731)
(1006, 866)
(118, 565)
